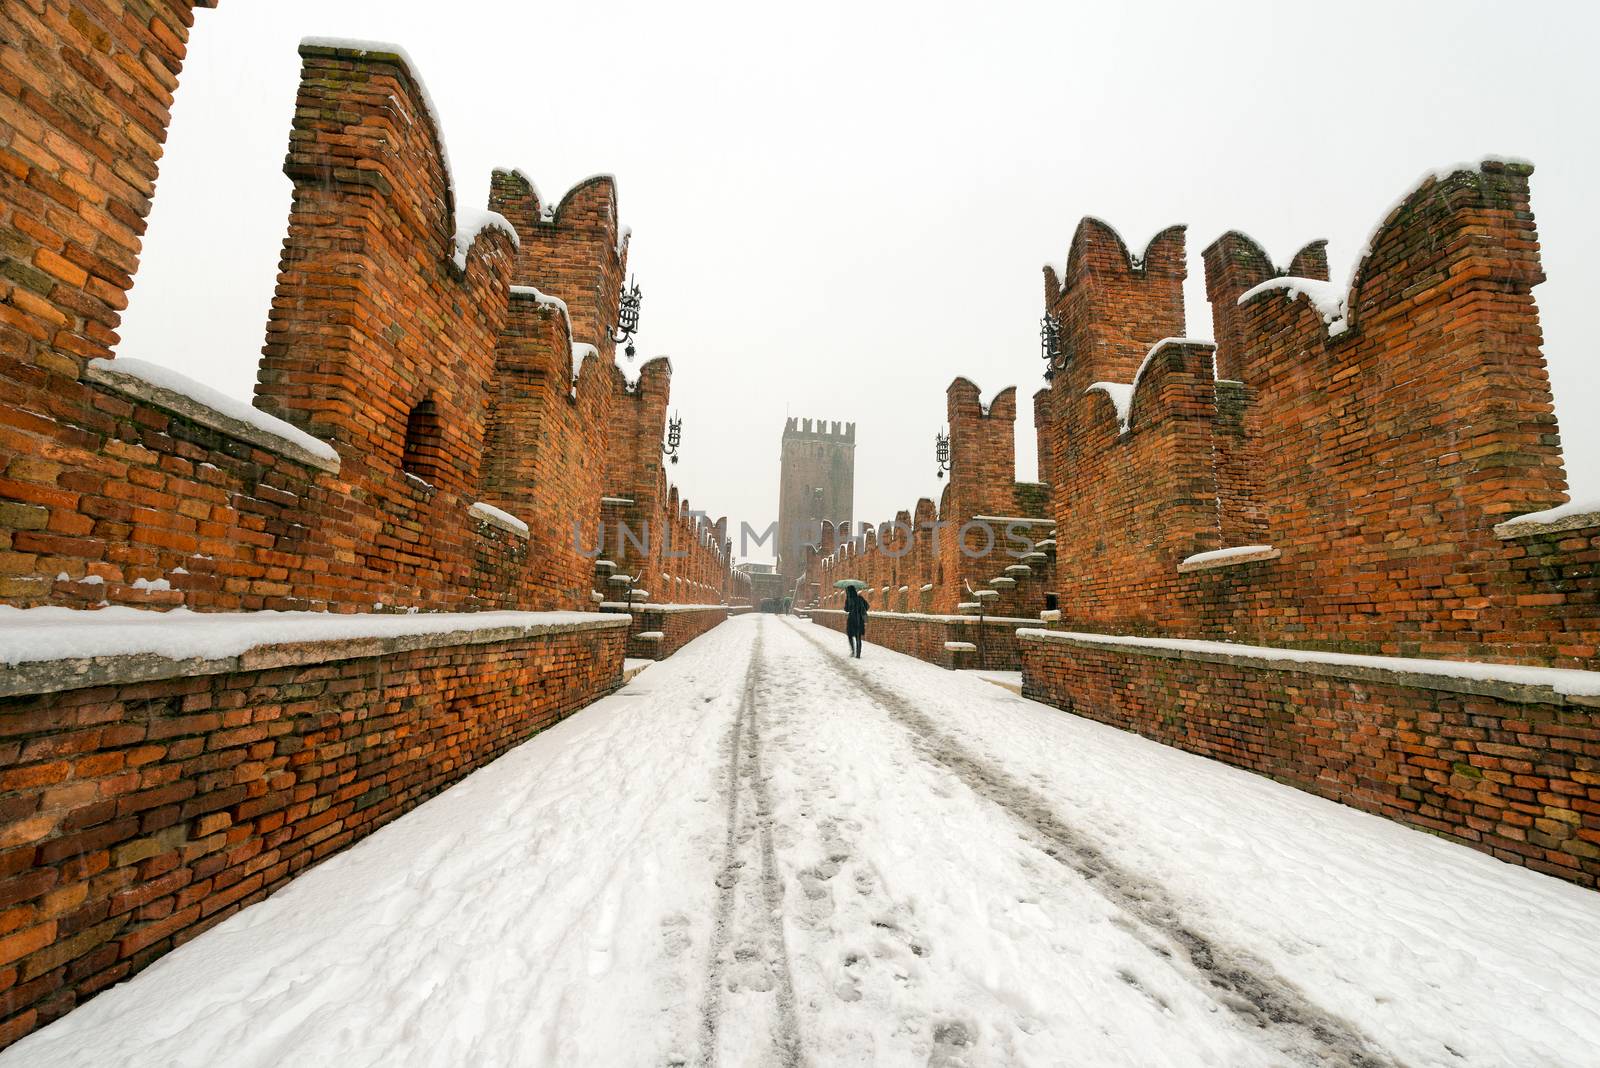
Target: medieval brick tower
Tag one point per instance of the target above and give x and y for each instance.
(817, 485)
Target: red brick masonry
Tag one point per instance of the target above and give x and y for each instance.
(1494, 756)
(678, 625)
(163, 796)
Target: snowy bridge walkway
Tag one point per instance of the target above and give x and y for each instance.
(763, 853)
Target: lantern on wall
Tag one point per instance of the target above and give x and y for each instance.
(1050, 344)
(674, 438)
(628, 317)
(941, 451)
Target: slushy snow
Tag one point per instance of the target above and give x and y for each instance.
(867, 863)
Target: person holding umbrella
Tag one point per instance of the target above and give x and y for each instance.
(855, 614)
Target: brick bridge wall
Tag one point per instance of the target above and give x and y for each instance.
(1398, 437)
(438, 385)
(1374, 450)
(677, 625)
(425, 359)
(139, 814)
(1513, 771)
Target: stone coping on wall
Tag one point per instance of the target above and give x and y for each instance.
(1507, 682)
(623, 606)
(105, 374)
(1020, 520)
(1580, 516)
(926, 617)
(488, 513)
(1232, 557)
(47, 650)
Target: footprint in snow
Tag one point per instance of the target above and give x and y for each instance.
(675, 933)
(952, 1043)
(750, 971)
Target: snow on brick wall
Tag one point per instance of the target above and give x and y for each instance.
(1511, 779)
(677, 629)
(1378, 457)
(193, 798)
(140, 496)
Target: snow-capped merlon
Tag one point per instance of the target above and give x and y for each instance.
(1238, 554)
(489, 513)
(1136, 260)
(1574, 515)
(363, 48)
(1156, 348)
(1121, 395)
(470, 222)
(533, 187)
(633, 373)
(182, 386)
(1332, 302)
(1327, 297)
(547, 301)
(581, 350)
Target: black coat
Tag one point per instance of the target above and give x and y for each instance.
(855, 611)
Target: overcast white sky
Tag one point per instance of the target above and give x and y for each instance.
(839, 207)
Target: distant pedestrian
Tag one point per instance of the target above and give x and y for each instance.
(855, 614)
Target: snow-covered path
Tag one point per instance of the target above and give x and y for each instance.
(760, 852)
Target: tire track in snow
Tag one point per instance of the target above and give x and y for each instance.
(733, 963)
(1242, 984)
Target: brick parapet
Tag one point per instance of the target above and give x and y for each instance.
(143, 813)
(89, 90)
(1507, 766)
(439, 388)
(677, 625)
(1375, 447)
(576, 250)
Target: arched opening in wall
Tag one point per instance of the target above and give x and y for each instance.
(423, 455)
